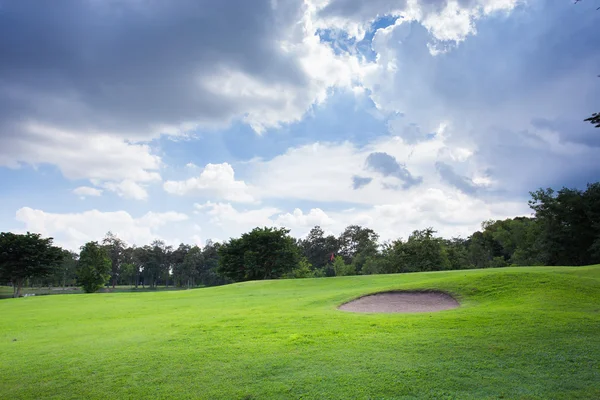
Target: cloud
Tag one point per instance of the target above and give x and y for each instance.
(297, 219)
(388, 166)
(127, 189)
(72, 230)
(360, 181)
(463, 183)
(86, 191)
(451, 214)
(98, 157)
(232, 221)
(215, 180)
(138, 69)
(446, 20)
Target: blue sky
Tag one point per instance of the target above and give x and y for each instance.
(196, 120)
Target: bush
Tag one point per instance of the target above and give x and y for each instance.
(341, 268)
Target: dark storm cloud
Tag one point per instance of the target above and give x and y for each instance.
(387, 165)
(130, 66)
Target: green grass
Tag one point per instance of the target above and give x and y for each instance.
(522, 333)
(6, 292)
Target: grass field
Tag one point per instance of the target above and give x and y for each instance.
(6, 292)
(522, 333)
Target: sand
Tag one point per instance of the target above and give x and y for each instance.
(401, 302)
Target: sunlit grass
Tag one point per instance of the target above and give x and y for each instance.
(519, 333)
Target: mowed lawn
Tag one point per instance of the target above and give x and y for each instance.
(523, 333)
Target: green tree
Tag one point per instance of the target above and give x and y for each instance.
(26, 256)
(115, 248)
(569, 224)
(209, 270)
(94, 267)
(263, 253)
(357, 242)
(191, 266)
(65, 272)
(303, 270)
(317, 248)
(341, 268)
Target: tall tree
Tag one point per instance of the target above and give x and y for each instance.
(263, 253)
(569, 223)
(26, 256)
(317, 248)
(356, 240)
(94, 267)
(66, 271)
(115, 249)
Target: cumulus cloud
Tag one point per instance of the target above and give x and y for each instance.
(297, 219)
(446, 20)
(86, 191)
(74, 229)
(215, 180)
(99, 157)
(127, 189)
(387, 165)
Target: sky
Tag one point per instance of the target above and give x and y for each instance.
(194, 120)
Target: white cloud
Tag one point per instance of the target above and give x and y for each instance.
(297, 219)
(450, 214)
(215, 180)
(324, 171)
(97, 156)
(86, 191)
(72, 230)
(127, 189)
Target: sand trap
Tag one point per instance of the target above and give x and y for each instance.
(401, 302)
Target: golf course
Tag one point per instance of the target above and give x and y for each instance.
(519, 333)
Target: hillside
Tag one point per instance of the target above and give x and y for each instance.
(519, 333)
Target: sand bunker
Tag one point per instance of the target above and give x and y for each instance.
(401, 302)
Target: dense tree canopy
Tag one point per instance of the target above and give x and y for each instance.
(263, 253)
(94, 267)
(26, 256)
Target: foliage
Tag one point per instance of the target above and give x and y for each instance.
(341, 268)
(115, 249)
(570, 224)
(94, 267)
(303, 270)
(594, 119)
(317, 248)
(519, 330)
(357, 241)
(26, 256)
(263, 253)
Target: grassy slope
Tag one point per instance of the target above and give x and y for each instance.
(6, 292)
(520, 333)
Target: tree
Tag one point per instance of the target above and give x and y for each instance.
(570, 224)
(93, 270)
(341, 268)
(190, 267)
(594, 120)
(263, 253)
(317, 248)
(26, 256)
(421, 252)
(357, 241)
(65, 272)
(115, 249)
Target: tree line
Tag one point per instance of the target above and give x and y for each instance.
(563, 230)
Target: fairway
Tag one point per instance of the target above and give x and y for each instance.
(527, 333)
